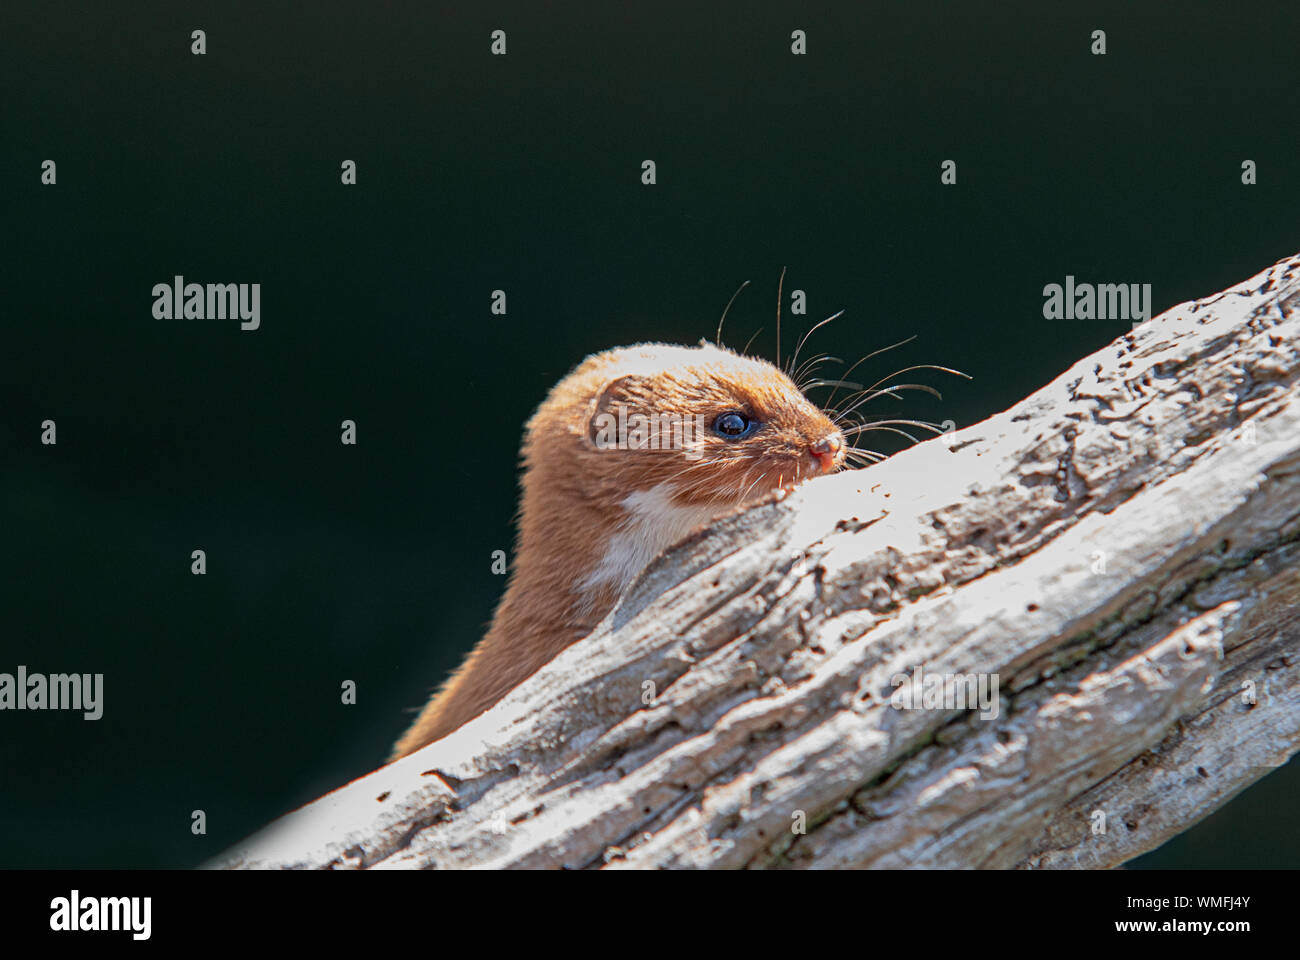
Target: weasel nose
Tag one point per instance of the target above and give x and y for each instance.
(825, 451)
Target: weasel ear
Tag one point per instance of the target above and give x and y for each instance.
(607, 418)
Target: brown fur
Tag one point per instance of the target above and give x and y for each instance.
(575, 499)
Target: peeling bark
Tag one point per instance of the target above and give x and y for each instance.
(1119, 551)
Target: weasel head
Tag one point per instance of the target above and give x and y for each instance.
(640, 445)
(702, 426)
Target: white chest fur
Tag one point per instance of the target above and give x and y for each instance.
(651, 524)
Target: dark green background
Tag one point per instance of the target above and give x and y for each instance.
(371, 563)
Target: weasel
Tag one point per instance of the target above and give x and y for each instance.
(629, 453)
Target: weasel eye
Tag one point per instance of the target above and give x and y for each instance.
(734, 425)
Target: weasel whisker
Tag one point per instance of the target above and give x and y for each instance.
(718, 341)
(868, 395)
(780, 287)
(874, 353)
(868, 427)
(820, 382)
(815, 328)
(858, 453)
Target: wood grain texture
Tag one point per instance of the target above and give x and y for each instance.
(1119, 551)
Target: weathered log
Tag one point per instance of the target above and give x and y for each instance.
(1118, 551)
